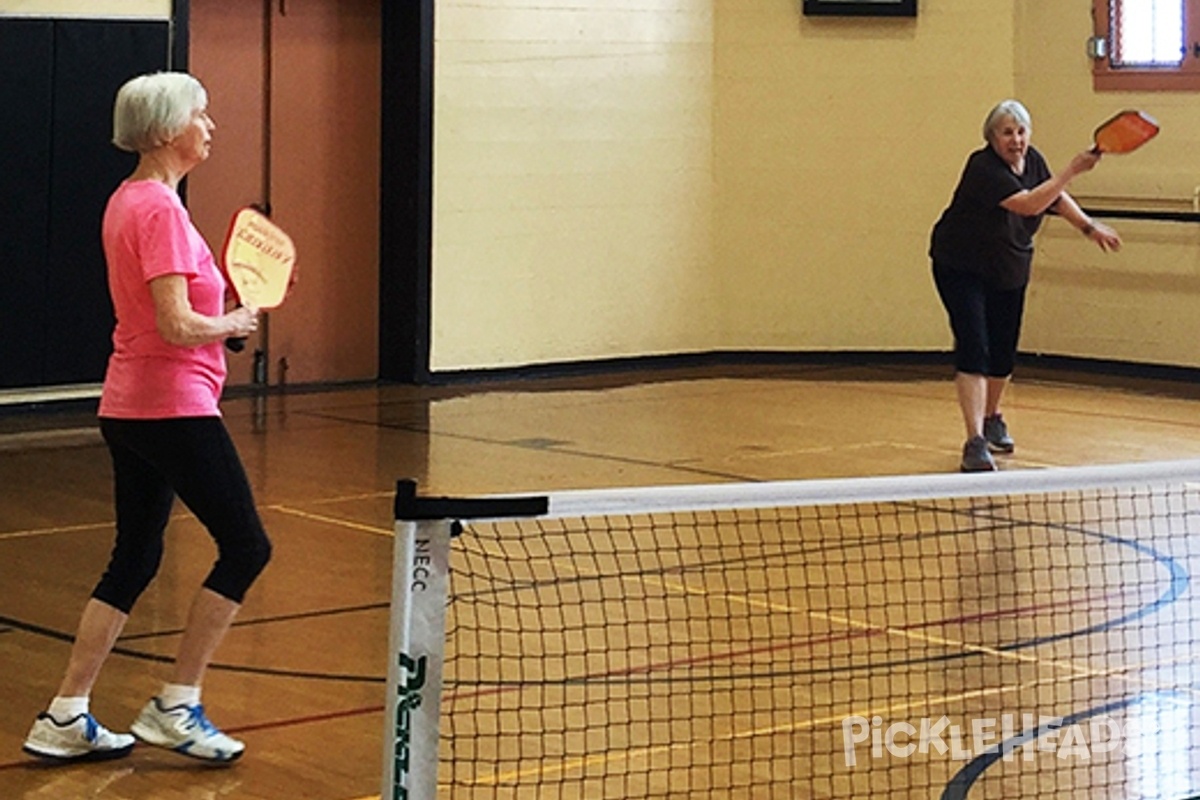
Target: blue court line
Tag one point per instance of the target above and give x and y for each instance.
(1179, 581)
(962, 782)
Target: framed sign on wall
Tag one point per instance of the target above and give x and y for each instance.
(861, 8)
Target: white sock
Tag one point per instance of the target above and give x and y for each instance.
(174, 695)
(65, 709)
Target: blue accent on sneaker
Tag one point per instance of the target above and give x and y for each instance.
(80, 738)
(185, 730)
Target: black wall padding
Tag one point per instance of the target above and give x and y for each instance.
(26, 47)
(92, 58)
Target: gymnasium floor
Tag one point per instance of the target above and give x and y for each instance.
(300, 676)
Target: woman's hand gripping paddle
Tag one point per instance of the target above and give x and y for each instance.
(259, 258)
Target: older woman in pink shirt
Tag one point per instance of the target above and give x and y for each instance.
(160, 418)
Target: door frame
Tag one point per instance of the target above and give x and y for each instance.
(406, 191)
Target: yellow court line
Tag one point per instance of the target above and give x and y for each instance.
(886, 711)
(644, 752)
(681, 587)
(825, 449)
(732, 599)
(1073, 668)
(282, 509)
(29, 534)
(347, 497)
(344, 523)
(1067, 666)
(1076, 672)
(80, 528)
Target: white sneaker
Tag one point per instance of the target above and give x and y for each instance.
(81, 738)
(185, 730)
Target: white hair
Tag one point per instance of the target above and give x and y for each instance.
(152, 109)
(1006, 109)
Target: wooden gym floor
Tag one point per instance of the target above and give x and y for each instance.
(300, 676)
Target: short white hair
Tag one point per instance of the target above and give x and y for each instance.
(152, 109)
(1006, 109)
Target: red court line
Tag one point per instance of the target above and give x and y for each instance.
(810, 641)
(288, 723)
(1021, 611)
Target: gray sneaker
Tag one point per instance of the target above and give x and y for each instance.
(975, 457)
(996, 433)
(77, 739)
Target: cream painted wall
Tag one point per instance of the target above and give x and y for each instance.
(838, 143)
(1139, 305)
(620, 178)
(573, 181)
(149, 9)
(616, 179)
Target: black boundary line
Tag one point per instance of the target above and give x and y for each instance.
(50, 633)
(747, 560)
(639, 462)
(838, 359)
(1175, 380)
(998, 523)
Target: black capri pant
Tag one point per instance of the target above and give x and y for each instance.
(194, 458)
(986, 322)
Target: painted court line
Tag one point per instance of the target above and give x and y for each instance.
(576, 764)
(324, 518)
(84, 527)
(1076, 669)
(35, 532)
(903, 631)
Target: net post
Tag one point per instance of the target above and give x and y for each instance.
(425, 527)
(416, 647)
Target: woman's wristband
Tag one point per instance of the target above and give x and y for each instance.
(1087, 229)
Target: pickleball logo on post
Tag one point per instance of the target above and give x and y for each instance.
(408, 698)
(1030, 733)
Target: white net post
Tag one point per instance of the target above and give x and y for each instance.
(416, 645)
(425, 527)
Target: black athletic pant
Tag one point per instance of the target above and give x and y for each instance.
(194, 458)
(986, 322)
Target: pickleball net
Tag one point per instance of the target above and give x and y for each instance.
(1021, 634)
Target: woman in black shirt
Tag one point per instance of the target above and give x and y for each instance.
(981, 248)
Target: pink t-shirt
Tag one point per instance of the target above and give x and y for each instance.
(147, 233)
